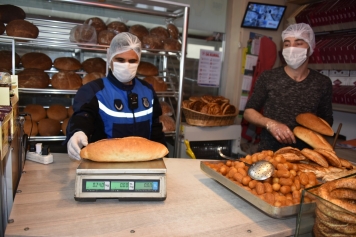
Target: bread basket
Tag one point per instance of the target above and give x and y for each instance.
(193, 117)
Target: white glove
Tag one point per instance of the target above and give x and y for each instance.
(76, 143)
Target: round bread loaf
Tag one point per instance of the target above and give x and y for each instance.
(10, 12)
(160, 32)
(57, 111)
(171, 44)
(147, 69)
(36, 60)
(117, 27)
(30, 128)
(33, 78)
(49, 127)
(67, 64)
(139, 30)
(37, 112)
(64, 126)
(98, 23)
(166, 108)
(105, 37)
(2, 27)
(70, 111)
(173, 31)
(22, 28)
(157, 83)
(83, 34)
(152, 42)
(168, 123)
(6, 59)
(66, 80)
(92, 76)
(94, 65)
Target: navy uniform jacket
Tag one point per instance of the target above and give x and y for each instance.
(101, 110)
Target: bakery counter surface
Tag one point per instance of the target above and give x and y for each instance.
(196, 205)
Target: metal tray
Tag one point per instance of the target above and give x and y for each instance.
(268, 209)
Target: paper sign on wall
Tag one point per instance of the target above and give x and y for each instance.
(209, 70)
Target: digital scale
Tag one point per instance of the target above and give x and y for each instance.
(128, 181)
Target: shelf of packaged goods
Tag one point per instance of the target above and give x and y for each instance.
(345, 108)
(333, 66)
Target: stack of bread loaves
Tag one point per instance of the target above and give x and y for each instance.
(166, 119)
(208, 104)
(46, 122)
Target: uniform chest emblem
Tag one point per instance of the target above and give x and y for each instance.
(118, 105)
(145, 102)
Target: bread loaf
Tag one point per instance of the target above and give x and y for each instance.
(49, 127)
(57, 111)
(66, 80)
(105, 37)
(147, 69)
(152, 42)
(70, 111)
(94, 65)
(173, 31)
(315, 156)
(97, 23)
(139, 30)
(33, 78)
(67, 64)
(128, 149)
(160, 32)
(157, 83)
(22, 28)
(30, 128)
(313, 139)
(117, 27)
(37, 112)
(36, 60)
(64, 126)
(83, 34)
(171, 44)
(6, 59)
(92, 76)
(315, 123)
(10, 12)
(166, 108)
(168, 123)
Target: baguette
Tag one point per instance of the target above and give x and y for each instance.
(315, 156)
(315, 123)
(330, 157)
(313, 139)
(126, 149)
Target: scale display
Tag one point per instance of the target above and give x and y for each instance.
(90, 185)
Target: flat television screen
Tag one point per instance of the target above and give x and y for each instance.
(263, 16)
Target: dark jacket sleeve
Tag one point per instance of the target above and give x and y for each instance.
(85, 108)
(157, 134)
(325, 110)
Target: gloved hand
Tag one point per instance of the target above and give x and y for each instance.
(281, 132)
(76, 143)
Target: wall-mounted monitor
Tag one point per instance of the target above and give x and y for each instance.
(263, 16)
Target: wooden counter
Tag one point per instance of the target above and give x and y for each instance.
(196, 205)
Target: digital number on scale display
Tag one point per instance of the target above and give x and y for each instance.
(120, 186)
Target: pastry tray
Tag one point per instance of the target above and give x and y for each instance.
(268, 209)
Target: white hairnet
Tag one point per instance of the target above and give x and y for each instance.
(122, 43)
(301, 31)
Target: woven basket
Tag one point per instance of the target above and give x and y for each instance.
(193, 117)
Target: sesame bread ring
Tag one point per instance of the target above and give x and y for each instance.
(339, 226)
(334, 212)
(326, 188)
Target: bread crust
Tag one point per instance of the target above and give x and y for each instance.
(315, 156)
(329, 156)
(315, 123)
(312, 138)
(128, 149)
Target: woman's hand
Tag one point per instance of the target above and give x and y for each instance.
(281, 132)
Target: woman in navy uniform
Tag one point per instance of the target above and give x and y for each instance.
(118, 105)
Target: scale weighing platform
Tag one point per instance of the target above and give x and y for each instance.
(128, 181)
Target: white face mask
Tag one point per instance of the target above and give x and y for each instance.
(124, 72)
(295, 56)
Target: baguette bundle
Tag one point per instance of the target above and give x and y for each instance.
(128, 149)
(315, 123)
